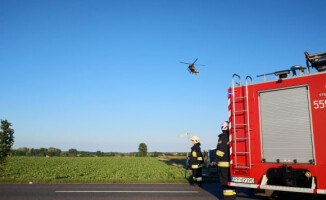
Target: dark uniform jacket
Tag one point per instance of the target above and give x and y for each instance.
(196, 157)
(222, 150)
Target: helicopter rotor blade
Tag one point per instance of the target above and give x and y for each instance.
(194, 61)
(185, 63)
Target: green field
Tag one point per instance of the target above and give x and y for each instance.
(90, 170)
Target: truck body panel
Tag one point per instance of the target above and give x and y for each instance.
(278, 134)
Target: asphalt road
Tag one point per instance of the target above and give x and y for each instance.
(108, 191)
(123, 191)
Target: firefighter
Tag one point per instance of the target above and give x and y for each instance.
(196, 160)
(222, 158)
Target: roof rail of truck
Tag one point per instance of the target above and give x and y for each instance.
(317, 61)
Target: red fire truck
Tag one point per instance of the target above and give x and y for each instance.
(278, 130)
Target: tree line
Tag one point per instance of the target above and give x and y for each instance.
(50, 152)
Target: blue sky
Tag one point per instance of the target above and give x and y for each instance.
(106, 75)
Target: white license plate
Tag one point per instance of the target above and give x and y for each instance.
(243, 180)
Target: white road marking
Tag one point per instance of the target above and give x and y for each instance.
(126, 191)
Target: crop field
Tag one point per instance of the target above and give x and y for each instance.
(90, 170)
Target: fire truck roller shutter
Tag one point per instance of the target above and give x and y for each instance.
(286, 125)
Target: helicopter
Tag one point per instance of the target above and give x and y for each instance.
(192, 68)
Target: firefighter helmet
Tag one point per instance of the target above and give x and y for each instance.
(225, 126)
(195, 139)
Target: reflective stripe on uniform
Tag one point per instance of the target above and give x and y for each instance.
(223, 164)
(194, 154)
(229, 192)
(220, 153)
(194, 166)
(200, 158)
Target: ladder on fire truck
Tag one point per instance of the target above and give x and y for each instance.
(317, 61)
(241, 124)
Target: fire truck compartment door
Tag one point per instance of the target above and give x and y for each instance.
(286, 125)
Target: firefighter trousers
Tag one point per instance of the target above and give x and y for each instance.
(224, 176)
(197, 175)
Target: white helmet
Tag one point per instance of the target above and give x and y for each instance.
(195, 139)
(225, 126)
